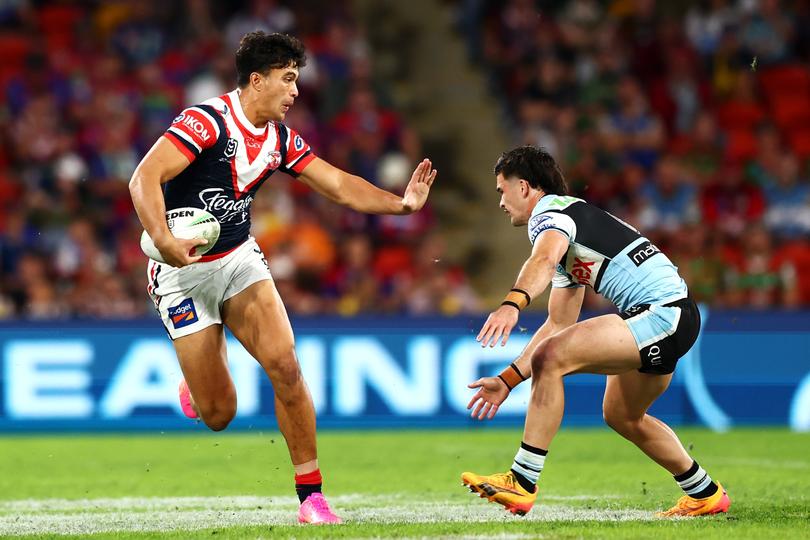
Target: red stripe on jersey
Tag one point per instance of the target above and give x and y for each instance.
(208, 258)
(197, 126)
(175, 140)
(299, 167)
(296, 146)
(234, 175)
(245, 131)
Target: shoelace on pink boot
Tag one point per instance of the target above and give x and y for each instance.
(316, 510)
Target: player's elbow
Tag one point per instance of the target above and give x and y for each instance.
(135, 184)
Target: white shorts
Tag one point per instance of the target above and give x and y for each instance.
(189, 299)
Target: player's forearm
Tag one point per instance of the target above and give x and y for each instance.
(536, 274)
(363, 196)
(147, 197)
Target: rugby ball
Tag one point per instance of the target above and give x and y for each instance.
(186, 223)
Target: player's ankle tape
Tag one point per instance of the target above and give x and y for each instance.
(517, 298)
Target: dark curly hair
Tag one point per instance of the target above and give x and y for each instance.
(534, 165)
(259, 52)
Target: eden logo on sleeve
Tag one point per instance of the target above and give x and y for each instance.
(183, 314)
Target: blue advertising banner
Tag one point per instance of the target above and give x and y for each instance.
(748, 368)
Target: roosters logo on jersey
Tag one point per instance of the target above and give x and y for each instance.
(273, 159)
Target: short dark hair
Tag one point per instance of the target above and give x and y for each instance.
(260, 52)
(534, 165)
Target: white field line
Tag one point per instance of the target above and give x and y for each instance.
(165, 514)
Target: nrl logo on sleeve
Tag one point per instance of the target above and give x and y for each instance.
(535, 225)
(230, 148)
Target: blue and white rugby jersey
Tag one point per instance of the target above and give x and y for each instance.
(607, 254)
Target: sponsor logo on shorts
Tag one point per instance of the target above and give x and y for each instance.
(183, 314)
(643, 252)
(582, 270)
(654, 355)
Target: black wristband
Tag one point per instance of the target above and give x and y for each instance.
(513, 366)
(504, 382)
(510, 303)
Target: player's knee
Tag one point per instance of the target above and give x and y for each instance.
(219, 419)
(548, 359)
(217, 415)
(620, 422)
(284, 370)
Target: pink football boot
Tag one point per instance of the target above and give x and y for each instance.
(316, 510)
(185, 401)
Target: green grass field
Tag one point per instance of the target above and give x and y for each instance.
(389, 484)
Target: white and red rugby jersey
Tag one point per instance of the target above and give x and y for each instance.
(230, 158)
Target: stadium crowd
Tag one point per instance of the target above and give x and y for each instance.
(689, 120)
(694, 126)
(88, 87)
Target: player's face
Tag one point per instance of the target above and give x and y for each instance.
(280, 91)
(514, 199)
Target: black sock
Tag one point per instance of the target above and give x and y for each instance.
(307, 484)
(305, 490)
(696, 482)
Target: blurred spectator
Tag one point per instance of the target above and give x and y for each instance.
(267, 15)
(705, 23)
(671, 199)
(767, 32)
(630, 129)
(698, 254)
(729, 203)
(757, 278)
(788, 201)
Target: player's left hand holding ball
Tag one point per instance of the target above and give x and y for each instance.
(416, 193)
(179, 252)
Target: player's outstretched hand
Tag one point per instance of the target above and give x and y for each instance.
(499, 325)
(177, 252)
(416, 192)
(491, 393)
